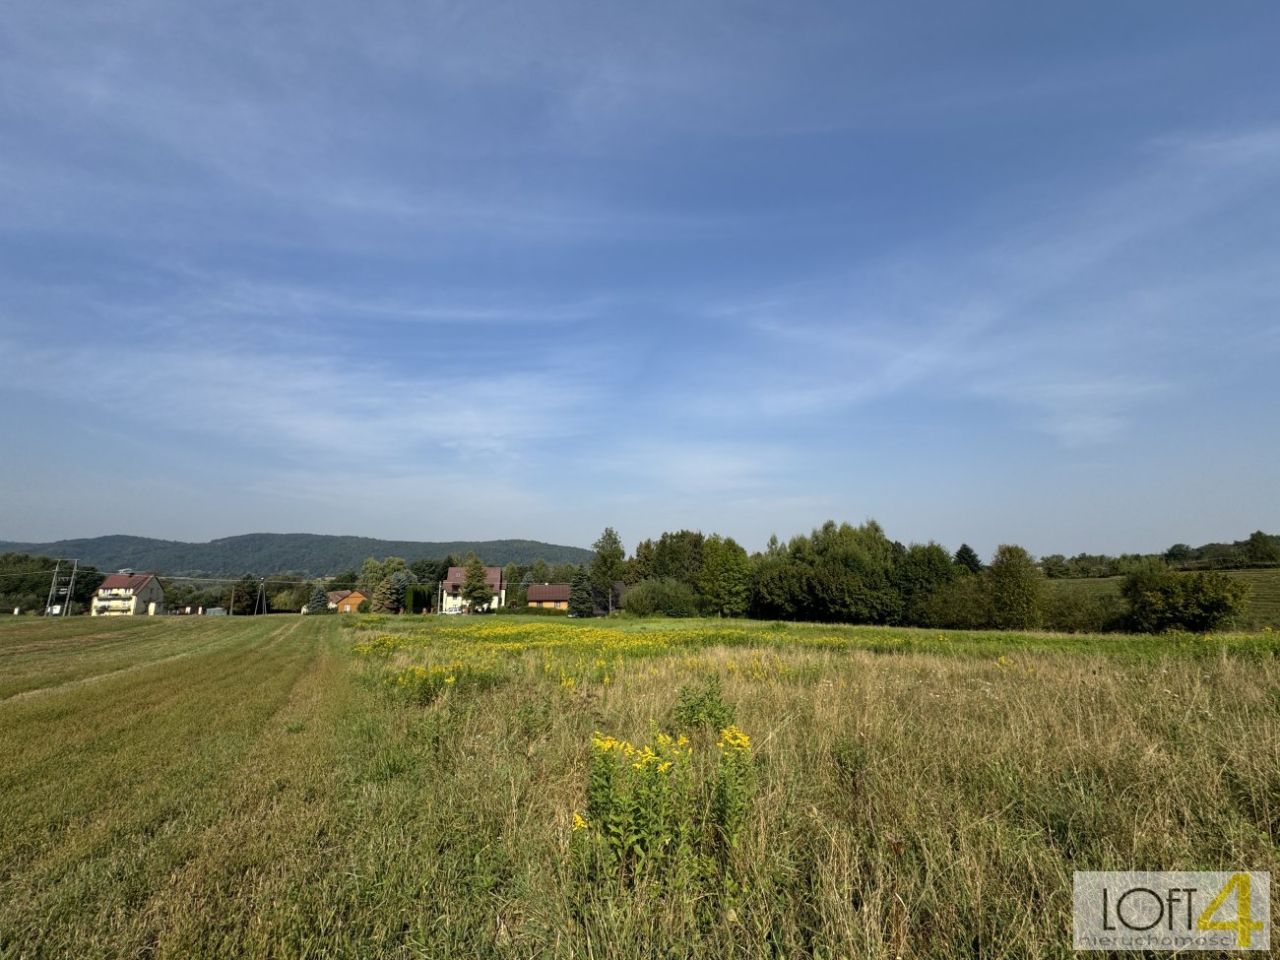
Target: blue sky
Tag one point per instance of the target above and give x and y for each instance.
(985, 272)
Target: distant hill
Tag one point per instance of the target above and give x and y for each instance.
(260, 553)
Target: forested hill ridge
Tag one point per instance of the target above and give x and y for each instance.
(306, 553)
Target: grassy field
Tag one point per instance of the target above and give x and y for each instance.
(508, 787)
(1264, 599)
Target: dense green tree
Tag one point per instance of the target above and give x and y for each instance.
(1260, 548)
(581, 601)
(1178, 553)
(563, 573)
(373, 572)
(640, 566)
(287, 591)
(968, 558)
(921, 571)
(419, 598)
(539, 572)
(383, 599)
(1016, 584)
(475, 586)
(779, 587)
(319, 602)
(1055, 566)
(242, 599)
(430, 572)
(607, 566)
(678, 555)
(839, 573)
(724, 580)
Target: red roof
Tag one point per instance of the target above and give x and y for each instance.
(126, 581)
(458, 576)
(544, 592)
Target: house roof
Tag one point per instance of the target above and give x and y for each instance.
(126, 581)
(337, 595)
(458, 575)
(543, 592)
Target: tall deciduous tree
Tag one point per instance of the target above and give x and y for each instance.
(1017, 586)
(373, 572)
(640, 566)
(724, 580)
(921, 571)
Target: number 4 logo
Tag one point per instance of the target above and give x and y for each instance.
(1241, 884)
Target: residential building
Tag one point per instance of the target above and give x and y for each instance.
(550, 596)
(348, 601)
(128, 595)
(451, 589)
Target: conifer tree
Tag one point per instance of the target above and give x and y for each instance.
(581, 601)
(319, 602)
(383, 600)
(475, 587)
(607, 565)
(968, 558)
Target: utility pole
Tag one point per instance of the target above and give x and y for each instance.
(70, 586)
(53, 588)
(60, 588)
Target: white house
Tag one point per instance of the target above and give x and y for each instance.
(128, 595)
(451, 589)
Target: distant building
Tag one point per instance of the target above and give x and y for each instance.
(347, 601)
(128, 595)
(451, 589)
(550, 596)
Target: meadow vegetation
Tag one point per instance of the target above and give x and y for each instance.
(528, 787)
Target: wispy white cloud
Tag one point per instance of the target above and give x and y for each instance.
(309, 406)
(1073, 315)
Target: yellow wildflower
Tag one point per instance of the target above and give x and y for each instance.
(579, 823)
(732, 738)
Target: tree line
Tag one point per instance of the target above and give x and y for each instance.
(1257, 550)
(840, 573)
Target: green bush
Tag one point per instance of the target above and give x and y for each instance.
(666, 596)
(963, 604)
(1071, 611)
(702, 707)
(1163, 600)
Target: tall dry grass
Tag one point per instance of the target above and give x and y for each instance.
(271, 795)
